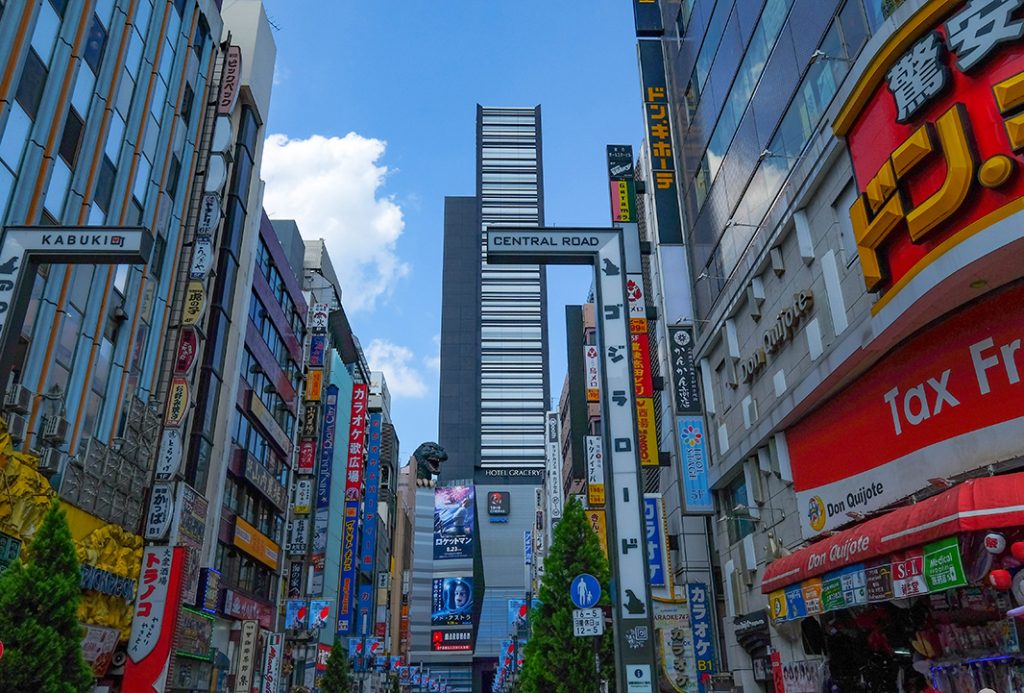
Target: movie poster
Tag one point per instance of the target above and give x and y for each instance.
(453, 522)
(452, 601)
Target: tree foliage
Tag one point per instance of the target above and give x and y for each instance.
(555, 660)
(337, 678)
(38, 615)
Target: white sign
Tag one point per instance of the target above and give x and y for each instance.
(317, 319)
(638, 678)
(298, 533)
(593, 373)
(149, 611)
(161, 512)
(554, 464)
(272, 653)
(303, 496)
(209, 214)
(246, 656)
(595, 470)
(168, 460)
(587, 622)
(202, 257)
(635, 295)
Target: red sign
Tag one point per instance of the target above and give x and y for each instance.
(188, 347)
(323, 653)
(926, 402)
(777, 677)
(248, 609)
(307, 456)
(149, 646)
(640, 345)
(932, 128)
(356, 443)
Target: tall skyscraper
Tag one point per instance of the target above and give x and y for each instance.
(493, 316)
(494, 382)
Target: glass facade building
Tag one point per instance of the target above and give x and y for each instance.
(513, 379)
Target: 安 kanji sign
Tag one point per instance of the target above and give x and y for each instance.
(935, 128)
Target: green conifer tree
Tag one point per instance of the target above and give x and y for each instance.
(39, 615)
(555, 660)
(337, 678)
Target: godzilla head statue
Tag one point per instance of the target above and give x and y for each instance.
(429, 457)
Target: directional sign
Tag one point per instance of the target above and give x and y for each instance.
(585, 591)
(605, 250)
(23, 248)
(587, 622)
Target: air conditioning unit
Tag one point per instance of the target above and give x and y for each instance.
(49, 462)
(55, 429)
(17, 426)
(18, 399)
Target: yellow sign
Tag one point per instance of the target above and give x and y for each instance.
(777, 605)
(260, 547)
(177, 402)
(600, 527)
(314, 383)
(595, 494)
(195, 303)
(647, 432)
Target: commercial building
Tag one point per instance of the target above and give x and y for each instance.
(494, 388)
(848, 186)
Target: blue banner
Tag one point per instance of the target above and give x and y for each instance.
(365, 623)
(655, 552)
(347, 583)
(454, 516)
(703, 634)
(369, 539)
(694, 446)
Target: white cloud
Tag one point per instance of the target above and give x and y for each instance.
(394, 360)
(434, 362)
(331, 187)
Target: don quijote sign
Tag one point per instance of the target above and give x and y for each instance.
(780, 332)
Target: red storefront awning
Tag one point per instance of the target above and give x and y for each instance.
(977, 504)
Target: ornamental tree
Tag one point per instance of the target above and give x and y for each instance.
(555, 660)
(39, 626)
(337, 678)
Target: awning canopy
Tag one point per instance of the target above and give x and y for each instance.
(976, 504)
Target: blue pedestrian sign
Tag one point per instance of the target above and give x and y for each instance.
(585, 591)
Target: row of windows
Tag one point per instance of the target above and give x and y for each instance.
(265, 266)
(844, 38)
(266, 393)
(241, 571)
(268, 330)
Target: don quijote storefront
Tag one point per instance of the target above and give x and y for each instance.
(909, 477)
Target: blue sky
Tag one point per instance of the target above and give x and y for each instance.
(372, 124)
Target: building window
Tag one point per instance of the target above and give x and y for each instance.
(71, 140)
(735, 507)
(30, 88)
(95, 45)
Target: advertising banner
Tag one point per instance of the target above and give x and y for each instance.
(356, 443)
(703, 632)
(452, 603)
(317, 350)
(657, 548)
(453, 522)
(553, 460)
(314, 384)
(307, 456)
(647, 434)
(296, 614)
(245, 662)
(637, 314)
(640, 346)
(685, 391)
(943, 567)
(152, 634)
(693, 445)
(659, 137)
(592, 373)
(951, 387)
(365, 602)
(303, 496)
(674, 640)
(273, 651)
(598, 523)
(347, 588)
(319, 613)
(595, 470)
(451, 641)
(368, 547)
(323, 485)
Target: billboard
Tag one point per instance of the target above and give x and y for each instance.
(656, 532)
(948, 389)
(659, 136)
(368, 548)
(592, 374)
(356, 443)
(595, 470)
(452, 601)
(453, 522)
(296, 614)
(349, 569)
(149, 645)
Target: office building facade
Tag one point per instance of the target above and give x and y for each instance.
(827, 293)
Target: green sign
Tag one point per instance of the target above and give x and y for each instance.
(832, 596)
(943, 568)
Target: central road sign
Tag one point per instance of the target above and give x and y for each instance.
(585, 591)
(604, 249)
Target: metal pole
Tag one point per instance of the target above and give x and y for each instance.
(597, 662)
